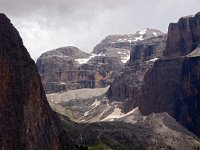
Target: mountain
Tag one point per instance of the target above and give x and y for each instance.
(27, 121)
(161, 76)
(151, 101)
(70, 68)
(125, 42)
(172, 85)
(57, 66)
(127, 85)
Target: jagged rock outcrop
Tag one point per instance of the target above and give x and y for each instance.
(172, 85)
(184, 36)
(128, 83)
(27, 121)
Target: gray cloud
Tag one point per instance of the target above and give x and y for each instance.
(48, 24)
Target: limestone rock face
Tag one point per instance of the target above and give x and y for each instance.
(27, 121)
(62, 70)
(57, 67)
(172, 85)
(128, 82)
(70, 68)
(184, 36)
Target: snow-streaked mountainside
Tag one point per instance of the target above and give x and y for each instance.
(120, 45)
(122, 51)
(91, 105)
(71, 68)
(138, 36)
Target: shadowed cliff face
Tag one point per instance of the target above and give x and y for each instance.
(27, 121)
(183, 37)
(173, 84)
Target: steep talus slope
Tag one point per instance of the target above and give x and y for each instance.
(172, 85)
(27, 121)
(157, 131)
(128, 82)
(90, 105)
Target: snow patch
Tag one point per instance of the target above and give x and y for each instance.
(125, 40)
(129, 41)
(62, 83)
(132, 116)
(120, 40)
(119, 52)
(87, 113)
(154, 33)
(114, 115)
(85, 60)
(96, 103)
(153, 60)
(125, 59)
(143, 31)
(82, 60)
(138, 38)
(101, 54)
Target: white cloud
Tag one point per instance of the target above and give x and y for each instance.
(49, 24)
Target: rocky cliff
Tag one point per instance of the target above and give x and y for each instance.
(57, 67)
(172, 85)
(184, 36)
(70, 68)
(27, 121)
(128, 82)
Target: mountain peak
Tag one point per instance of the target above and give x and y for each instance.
(68, 51)
(11, 42)
(124, 41)
(138, 36)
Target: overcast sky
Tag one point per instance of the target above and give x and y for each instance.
(49, 24)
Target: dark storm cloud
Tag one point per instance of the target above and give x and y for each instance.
(47, 24)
